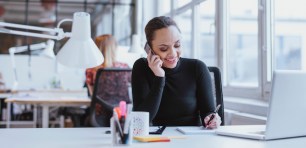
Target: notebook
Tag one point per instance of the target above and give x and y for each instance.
(192, 130)
(286, 115)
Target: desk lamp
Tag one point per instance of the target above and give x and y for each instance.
(47, 52)
(79, 51)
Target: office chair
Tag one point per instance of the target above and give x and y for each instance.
(111, 87)
(217, 89)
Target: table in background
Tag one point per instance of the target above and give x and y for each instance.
(47, 99)
(96, 137)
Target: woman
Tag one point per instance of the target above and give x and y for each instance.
(175, 91)
(108, 46)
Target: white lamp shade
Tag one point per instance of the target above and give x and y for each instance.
(80, 51)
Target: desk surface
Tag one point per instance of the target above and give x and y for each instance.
(78, 97)
(49, 100)
(95, 138)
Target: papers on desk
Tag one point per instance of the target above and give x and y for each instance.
(194, 130)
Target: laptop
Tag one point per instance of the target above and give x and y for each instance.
(286, 115)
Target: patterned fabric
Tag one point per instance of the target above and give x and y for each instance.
(91, 72)
(113, 87)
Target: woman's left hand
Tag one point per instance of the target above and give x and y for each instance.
(214, 123)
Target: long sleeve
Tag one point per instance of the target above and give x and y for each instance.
(180, 98)
(205, 97)
(147, 88)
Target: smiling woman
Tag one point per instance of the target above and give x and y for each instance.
(164, 82)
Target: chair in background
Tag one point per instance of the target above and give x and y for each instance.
(217, 89)
(111, 87)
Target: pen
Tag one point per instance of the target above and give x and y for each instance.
(118, 111)
(213, 115)
(127, 124)
(117, 124)
(122, 106)
(126, 129)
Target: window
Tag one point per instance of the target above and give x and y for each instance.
(184, 22)
(164, 6)
(290, 22)
(287, 54)
(206, 33)
(242, 54)
(180, 3)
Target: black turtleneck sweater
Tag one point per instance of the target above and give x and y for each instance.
(181, 98)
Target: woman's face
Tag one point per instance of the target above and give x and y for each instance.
(167, 45)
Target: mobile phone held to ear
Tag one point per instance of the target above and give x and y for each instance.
(148, 49)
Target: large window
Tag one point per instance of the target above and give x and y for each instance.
(184, 22)
(205, 33)
(290, 35)
(242, 57)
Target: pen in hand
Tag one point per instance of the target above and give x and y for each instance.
(213, 115)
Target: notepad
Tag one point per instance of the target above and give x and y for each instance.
(194, 130)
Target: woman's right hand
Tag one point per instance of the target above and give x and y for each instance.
(214, 123)
(155, 64)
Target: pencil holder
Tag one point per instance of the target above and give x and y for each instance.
(121, 136)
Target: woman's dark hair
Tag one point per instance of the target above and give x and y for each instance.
(158, 23)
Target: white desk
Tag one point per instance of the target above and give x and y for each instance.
(45, 103)
(47, 99)
(95, 138)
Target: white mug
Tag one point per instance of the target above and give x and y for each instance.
(140, 123)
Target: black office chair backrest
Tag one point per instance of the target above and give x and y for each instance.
(217, 89)
(111, 87)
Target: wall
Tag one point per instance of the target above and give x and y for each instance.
(40, 74)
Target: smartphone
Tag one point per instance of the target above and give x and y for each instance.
(148, 49)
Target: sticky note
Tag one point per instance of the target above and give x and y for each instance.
(151, 139)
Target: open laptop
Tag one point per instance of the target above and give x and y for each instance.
(286, 115)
